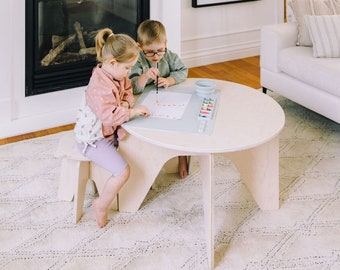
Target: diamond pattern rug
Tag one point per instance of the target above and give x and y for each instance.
(37, 230)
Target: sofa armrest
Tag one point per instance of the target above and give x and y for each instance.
(274, 38)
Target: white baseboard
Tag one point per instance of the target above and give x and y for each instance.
(224, 47)
(35, 123)
(207, 59)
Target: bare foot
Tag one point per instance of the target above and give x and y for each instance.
(182, 167)
(101, 214)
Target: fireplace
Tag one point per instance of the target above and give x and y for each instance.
(60, 51)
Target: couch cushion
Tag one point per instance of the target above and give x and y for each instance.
(323, 73)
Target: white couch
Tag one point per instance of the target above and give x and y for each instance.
(293, 72)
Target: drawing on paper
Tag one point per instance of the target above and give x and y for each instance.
(169, 105)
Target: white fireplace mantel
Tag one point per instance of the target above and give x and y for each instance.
(20, 114)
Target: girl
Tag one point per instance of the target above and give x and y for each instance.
(107, 104)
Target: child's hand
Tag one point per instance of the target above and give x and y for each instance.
(165, 82)
(143, 110)
(125, 104)
(152, 73)
(140, 110)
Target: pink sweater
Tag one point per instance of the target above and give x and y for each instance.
(104, 96)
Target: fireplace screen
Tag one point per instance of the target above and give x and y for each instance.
(60, 49)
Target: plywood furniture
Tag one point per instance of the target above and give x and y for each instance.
(246, 130)
(76, 171)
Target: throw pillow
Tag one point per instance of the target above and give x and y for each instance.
(325, 35)
(289, 12)
(307, 7)
(334, 5)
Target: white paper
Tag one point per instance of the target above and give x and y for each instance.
(169, 105)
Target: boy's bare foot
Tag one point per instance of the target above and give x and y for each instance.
(182, 167)
(101, 214)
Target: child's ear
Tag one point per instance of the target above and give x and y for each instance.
(140, 46)
(112, 61)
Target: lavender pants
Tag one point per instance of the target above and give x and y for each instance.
(105, 155)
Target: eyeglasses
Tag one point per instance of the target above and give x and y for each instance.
(159, 53)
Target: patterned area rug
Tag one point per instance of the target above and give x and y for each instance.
(37, 231)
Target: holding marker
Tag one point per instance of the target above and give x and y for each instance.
(157, 85)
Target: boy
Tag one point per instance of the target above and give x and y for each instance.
(155, 60)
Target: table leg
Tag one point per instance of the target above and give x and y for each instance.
(145, 160)
(259, 168)
(207, 175)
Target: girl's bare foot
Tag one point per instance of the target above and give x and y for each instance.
(182, 167)
(101, 214)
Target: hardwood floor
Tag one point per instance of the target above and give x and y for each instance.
(36, 134)
(244, 71)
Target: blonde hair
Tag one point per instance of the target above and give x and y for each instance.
(150, 31)
(121, 47)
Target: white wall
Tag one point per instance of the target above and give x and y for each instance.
(201, 36)
(225, 32)
(169, 13)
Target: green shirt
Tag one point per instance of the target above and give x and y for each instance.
(169, 66)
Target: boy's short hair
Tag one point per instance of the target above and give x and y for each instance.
(150, 31)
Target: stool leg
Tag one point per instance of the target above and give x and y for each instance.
(171, 166)
(68, 176)
(190, 164)
(80, 188)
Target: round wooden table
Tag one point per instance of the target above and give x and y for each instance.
(246, 130)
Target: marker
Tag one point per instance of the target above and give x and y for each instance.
(157, 85)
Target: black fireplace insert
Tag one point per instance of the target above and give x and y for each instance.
(60, 50)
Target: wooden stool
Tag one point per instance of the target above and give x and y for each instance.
(76, 170)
